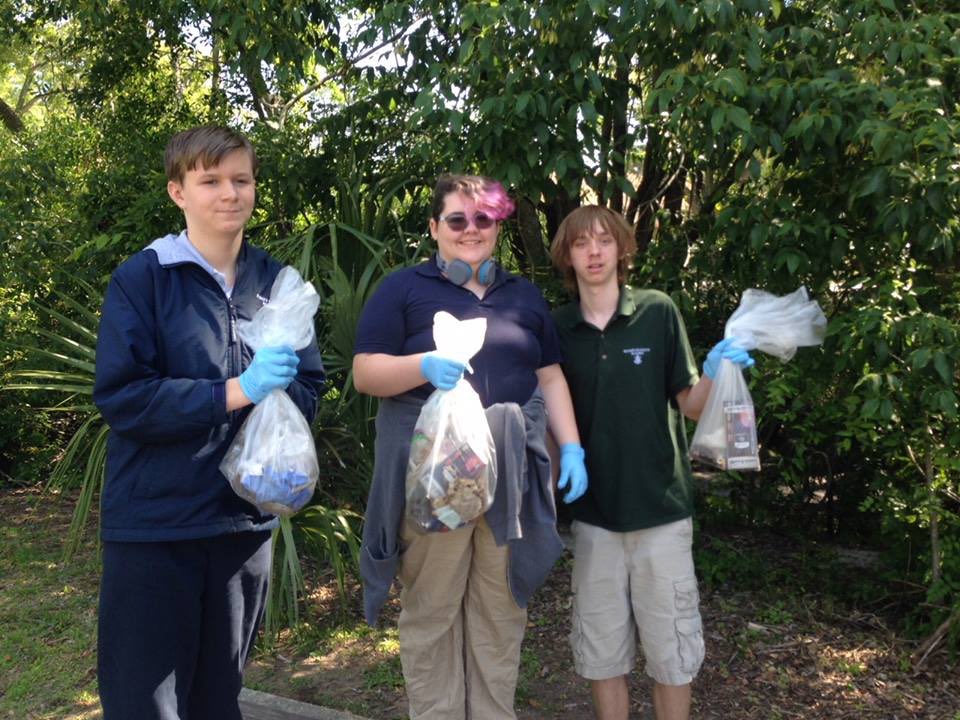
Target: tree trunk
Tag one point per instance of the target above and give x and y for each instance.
(10, 119)
(557, 208)
(606, 141)
(934, 518)
(618, 143)
(216, 101)
(23, 99)
(673, 197)
(531, 234)
(259, 91)
(642, 209)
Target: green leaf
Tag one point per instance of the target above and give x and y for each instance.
(717, 118)
(838, 250)
(466, 50)
(589, 111)
(739, 117)
(919, 358)
(892, 53)
(886, 409)
(776, 142)
(947, 402)
(732, 81)
(942, 366)
(753, 57)
(424, 100)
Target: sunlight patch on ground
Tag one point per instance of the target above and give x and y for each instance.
(87, 708)
(350, 650)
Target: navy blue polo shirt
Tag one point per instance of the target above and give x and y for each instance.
(521, 336)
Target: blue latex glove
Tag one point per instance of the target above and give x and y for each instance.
(443, 373)
(572, 471)
(726, 350)
(272, 368)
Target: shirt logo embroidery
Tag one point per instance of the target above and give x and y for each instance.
(637, 354)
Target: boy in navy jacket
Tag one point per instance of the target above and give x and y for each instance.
(186, 562)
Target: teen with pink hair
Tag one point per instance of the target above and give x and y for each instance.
(464, 592)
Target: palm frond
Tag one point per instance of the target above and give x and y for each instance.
(86, 365)
(287, 588)
(71, 346)
(90, 486)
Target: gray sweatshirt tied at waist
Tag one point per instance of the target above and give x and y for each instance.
(523, 513)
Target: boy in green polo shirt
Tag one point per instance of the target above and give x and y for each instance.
(632, 376)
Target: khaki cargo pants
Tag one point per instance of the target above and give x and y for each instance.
(460, 628)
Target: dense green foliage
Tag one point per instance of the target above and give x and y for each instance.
(753, 143)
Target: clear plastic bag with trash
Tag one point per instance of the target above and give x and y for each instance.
(726, 434)
(272, 461)
(452, 470)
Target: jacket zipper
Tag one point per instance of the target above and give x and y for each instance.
(235, 360)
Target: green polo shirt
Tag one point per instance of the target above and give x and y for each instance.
(623, 380)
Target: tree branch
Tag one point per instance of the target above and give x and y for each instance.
(347, 65)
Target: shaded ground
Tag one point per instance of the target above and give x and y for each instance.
(773, 649)
(47, 612)
(772, 652)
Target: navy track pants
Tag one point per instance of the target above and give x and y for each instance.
(177, 621)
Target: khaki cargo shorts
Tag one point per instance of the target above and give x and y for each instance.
(636, 582)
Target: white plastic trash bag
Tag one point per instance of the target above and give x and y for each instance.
(452, 470)
(272, 461)
(777, 325)
(726, 435)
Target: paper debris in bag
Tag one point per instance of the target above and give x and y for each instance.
(451, 472)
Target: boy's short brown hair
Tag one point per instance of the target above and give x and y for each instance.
(206, 145)
(582, 221)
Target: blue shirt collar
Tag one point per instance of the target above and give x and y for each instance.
(176, 249)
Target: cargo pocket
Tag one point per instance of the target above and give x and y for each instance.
(690, 639)
(686, 596)
(688, 625)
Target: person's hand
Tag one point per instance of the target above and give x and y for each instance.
(572, 471)
(726, 350)
(272, 368)
(443, 373)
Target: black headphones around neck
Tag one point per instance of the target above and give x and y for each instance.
(459, 272)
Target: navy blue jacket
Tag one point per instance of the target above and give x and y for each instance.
(166, 346)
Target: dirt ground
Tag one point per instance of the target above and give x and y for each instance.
(772, 653)
(767, 657)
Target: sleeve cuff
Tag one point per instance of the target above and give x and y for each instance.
(219, 400)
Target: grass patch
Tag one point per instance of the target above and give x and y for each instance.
(48, 612)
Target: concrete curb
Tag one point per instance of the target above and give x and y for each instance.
(257, 705)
